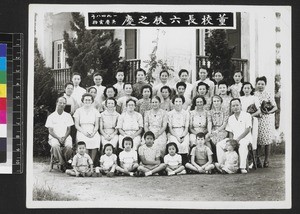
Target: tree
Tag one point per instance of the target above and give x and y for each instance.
(92, 51)
(219, 53)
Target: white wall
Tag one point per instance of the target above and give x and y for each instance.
(176, 46)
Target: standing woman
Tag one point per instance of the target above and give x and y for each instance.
(87, 125)
(110, 92)
(156, 121)
(266, 124)
(130, 124)
(218, 120)
(108, 123)
(178, 122)
(250, 104)
(199, 118)
(93, 91)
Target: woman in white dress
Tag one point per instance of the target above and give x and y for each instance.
(87, 125)
(247, 99)
(130, 123)
(178, 122)
(108, 123)
(156, 120)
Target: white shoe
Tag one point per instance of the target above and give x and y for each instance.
(148, 173)
(183, 172)
(171, 173)
(244, 171)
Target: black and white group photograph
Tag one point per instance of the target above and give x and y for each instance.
(159, 106)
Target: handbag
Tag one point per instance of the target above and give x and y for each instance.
(266, 106)
(252, 109)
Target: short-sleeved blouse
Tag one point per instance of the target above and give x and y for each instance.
(143, 106)
(218, 117)
(109, 119)
(130, 122)
(199, 119)
(86, 117)
(178, 119)
(155, 120)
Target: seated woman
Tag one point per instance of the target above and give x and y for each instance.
(130, 123)
(178, 122)
(218, 120)
(156, 120)
(87, 125)
(108, 123)
(199, 118)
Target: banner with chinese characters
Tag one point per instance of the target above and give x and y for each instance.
(220, 20)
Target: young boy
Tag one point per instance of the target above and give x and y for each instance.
(100, 89)
(120, 83)
(201, 156)
(181, 89)
(203, 78)
(184, 76)
(82, 162)
(78, 91)
(71, 105)
(140, 82)
(149, 156)
(128, 158)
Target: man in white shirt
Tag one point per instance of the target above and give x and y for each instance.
(203, 78)
(78, 91)
(59, 125)
(100, 88)
(239, 127)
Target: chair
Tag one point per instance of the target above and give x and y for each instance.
(54, 162)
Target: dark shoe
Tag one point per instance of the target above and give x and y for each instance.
(258, 163)
(63, 168)
(266, 164)
(110, 174)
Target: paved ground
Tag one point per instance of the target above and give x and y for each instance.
(259, 185)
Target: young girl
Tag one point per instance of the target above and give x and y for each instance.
(150, 157)
(122, 101)
(173, 160)
(144, 104)
(120, 84)
(128, 158)
(201, 156)
(202, 90)
(166, 103)
(223, 92)
(230, 163)
(108, 162)
(236, 87)
(218, 76)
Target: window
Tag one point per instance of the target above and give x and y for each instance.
(59, 55)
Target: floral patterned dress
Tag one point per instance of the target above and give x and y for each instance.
(266, 123)
(218, 119)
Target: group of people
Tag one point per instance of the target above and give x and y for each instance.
(142, 129)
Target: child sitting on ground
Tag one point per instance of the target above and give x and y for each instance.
(82, 162)
(201, 156)
(108, 162)
(230, 163)
(128, 158)
(173, 160)
(149, 156)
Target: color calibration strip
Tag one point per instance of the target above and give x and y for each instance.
(3, 101)
(14, 106)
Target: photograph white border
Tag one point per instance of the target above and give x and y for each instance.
(286, 79)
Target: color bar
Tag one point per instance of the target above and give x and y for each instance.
(3, 103)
